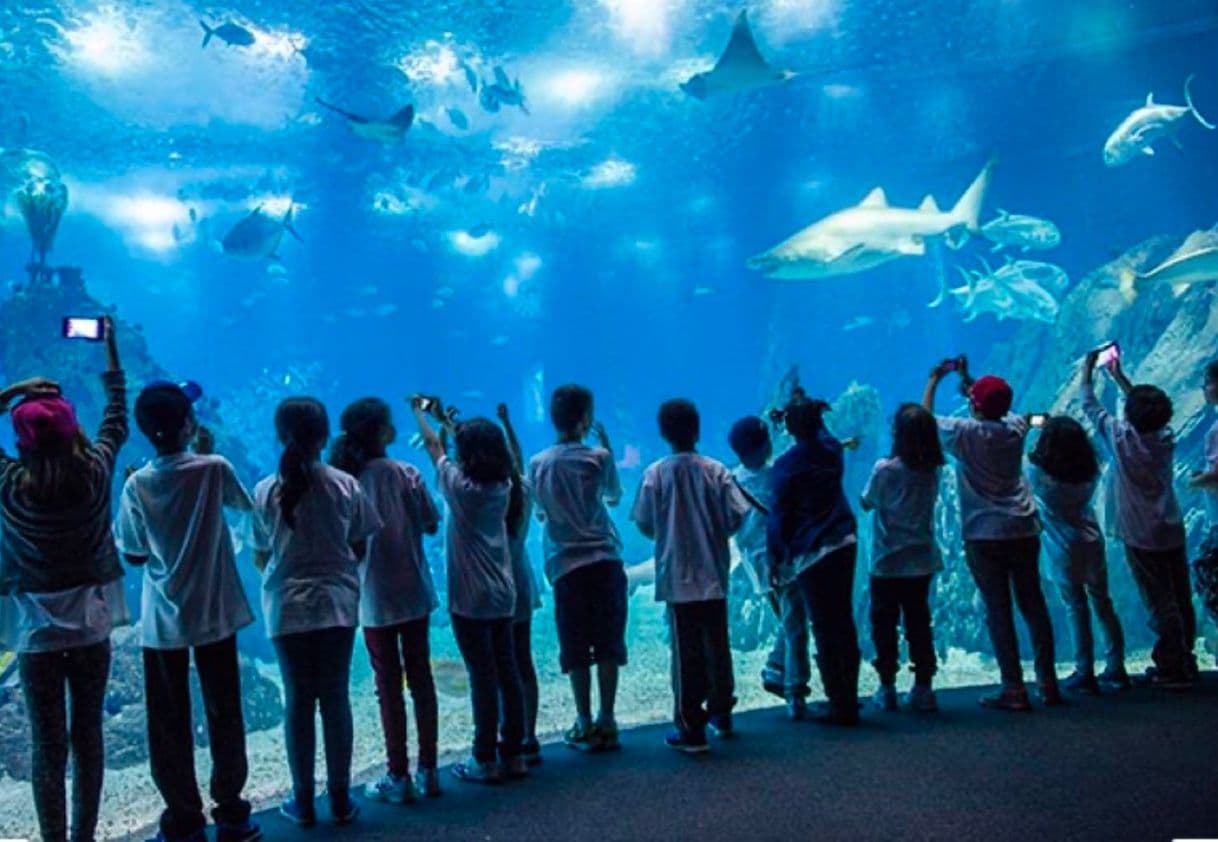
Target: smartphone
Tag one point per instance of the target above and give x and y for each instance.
(1110, 352)
(425, 404)
(90, 330)
(1038, 419)
(951, 365)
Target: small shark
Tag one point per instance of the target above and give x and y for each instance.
(1189, 265)
(1021, 231)
(257, 236)
(230, 33)
(1138, 132)
(381, 131)
(869, 234)
(740, 67)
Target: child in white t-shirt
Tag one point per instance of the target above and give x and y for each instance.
(171, 523)
(397, 596)
(311, 527)
(690, 506)
(902, 493)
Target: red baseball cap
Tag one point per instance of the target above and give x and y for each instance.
(992, 396)
(44, 422)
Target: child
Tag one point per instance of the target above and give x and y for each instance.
(396, 596)
(573, 484)
(171, 524)
(311, 525)
(1063, 475)
(1149, 519)
(690, 506)
(811, 536)
(1001, 528)
(59, 566)
(902, 492)
(528, 596)
(787, 668)
(1205, 568)
(481, 591)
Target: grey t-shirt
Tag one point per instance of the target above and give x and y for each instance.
(1072, 541)
(1148, 514)
(995, 503)
(480, 581)
(571, 484)
(751, 537)
(903, 534)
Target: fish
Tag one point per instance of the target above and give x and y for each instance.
(503, 91)
(858, 322)
(381, 131)
(1021, 231)
(457, 117)
(1138, 132)
(471, 78)
(232, 34)
(488, 100)
(501, 77)
(1048, 276)
(257, 236)
(1186, 267)
(194, 216)
(740, 67)
(869, 234)
(1024, 301)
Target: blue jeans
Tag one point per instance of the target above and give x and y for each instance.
(316, 670)
(789, 656)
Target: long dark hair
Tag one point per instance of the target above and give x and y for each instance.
(915, 438)
(303, 427)
(364, 425)
(55, 477)
(1064, 451)
(805, 416)
(483, 454)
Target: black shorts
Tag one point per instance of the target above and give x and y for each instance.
(590, 611)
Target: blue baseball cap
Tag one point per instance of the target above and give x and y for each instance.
(192, 390)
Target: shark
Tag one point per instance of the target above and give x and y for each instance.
(740, 67)
(1138, 132)
(1195, 262)
(871, 233)
(381, 131)
(257, 236)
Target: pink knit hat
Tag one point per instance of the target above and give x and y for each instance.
(44, 422)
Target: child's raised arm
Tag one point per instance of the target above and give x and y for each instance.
(513, 442)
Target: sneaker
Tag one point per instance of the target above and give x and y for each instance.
(772, 681)
(885, 698)
(921, 699)
(797, 708)
(1155, 677)
(721, 726)
(391, 788)
(531, 752)
(516, 767)
(474, 772)
(1081, 682)
(246, 831)
(1051, 695)
(1009, 698)
(687, 742)
(298, 814)
(607, 736)
(581, 736)
(343, 809)
(1115, 679)
(427, 781)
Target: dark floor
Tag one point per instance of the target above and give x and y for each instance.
(1141, 765)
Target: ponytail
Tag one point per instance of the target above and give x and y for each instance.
(303, 428)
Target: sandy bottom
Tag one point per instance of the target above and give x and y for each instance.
(131, 805)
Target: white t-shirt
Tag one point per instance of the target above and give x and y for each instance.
(172, 513)
(1211, 464)
(1072, 541)
(571, 484)
(312, 580)
(1148, 514)
(903, 533)
(480, 582)
(751, 537)
(52, 622)
(995, 503)
(395, 578)
(528, 594)
(691, 506)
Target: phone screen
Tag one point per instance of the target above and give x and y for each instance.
(1038, 419)
(91, 330)
(1109, 355)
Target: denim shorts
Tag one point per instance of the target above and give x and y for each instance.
(590, 612)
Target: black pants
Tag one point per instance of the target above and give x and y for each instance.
(522, 642)
(891, 598)
(401, 651)
(316, 669)
(488, 648)
(83, 671)
(828, 590)
(1162, 580)
(171, 734)
(702, 680)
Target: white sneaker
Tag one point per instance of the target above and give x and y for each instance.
(390, 788)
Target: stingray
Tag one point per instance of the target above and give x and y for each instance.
(740, 68)
(382, 131)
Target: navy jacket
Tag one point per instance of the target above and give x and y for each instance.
(810, 509)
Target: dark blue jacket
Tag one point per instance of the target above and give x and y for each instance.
(810, 509)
